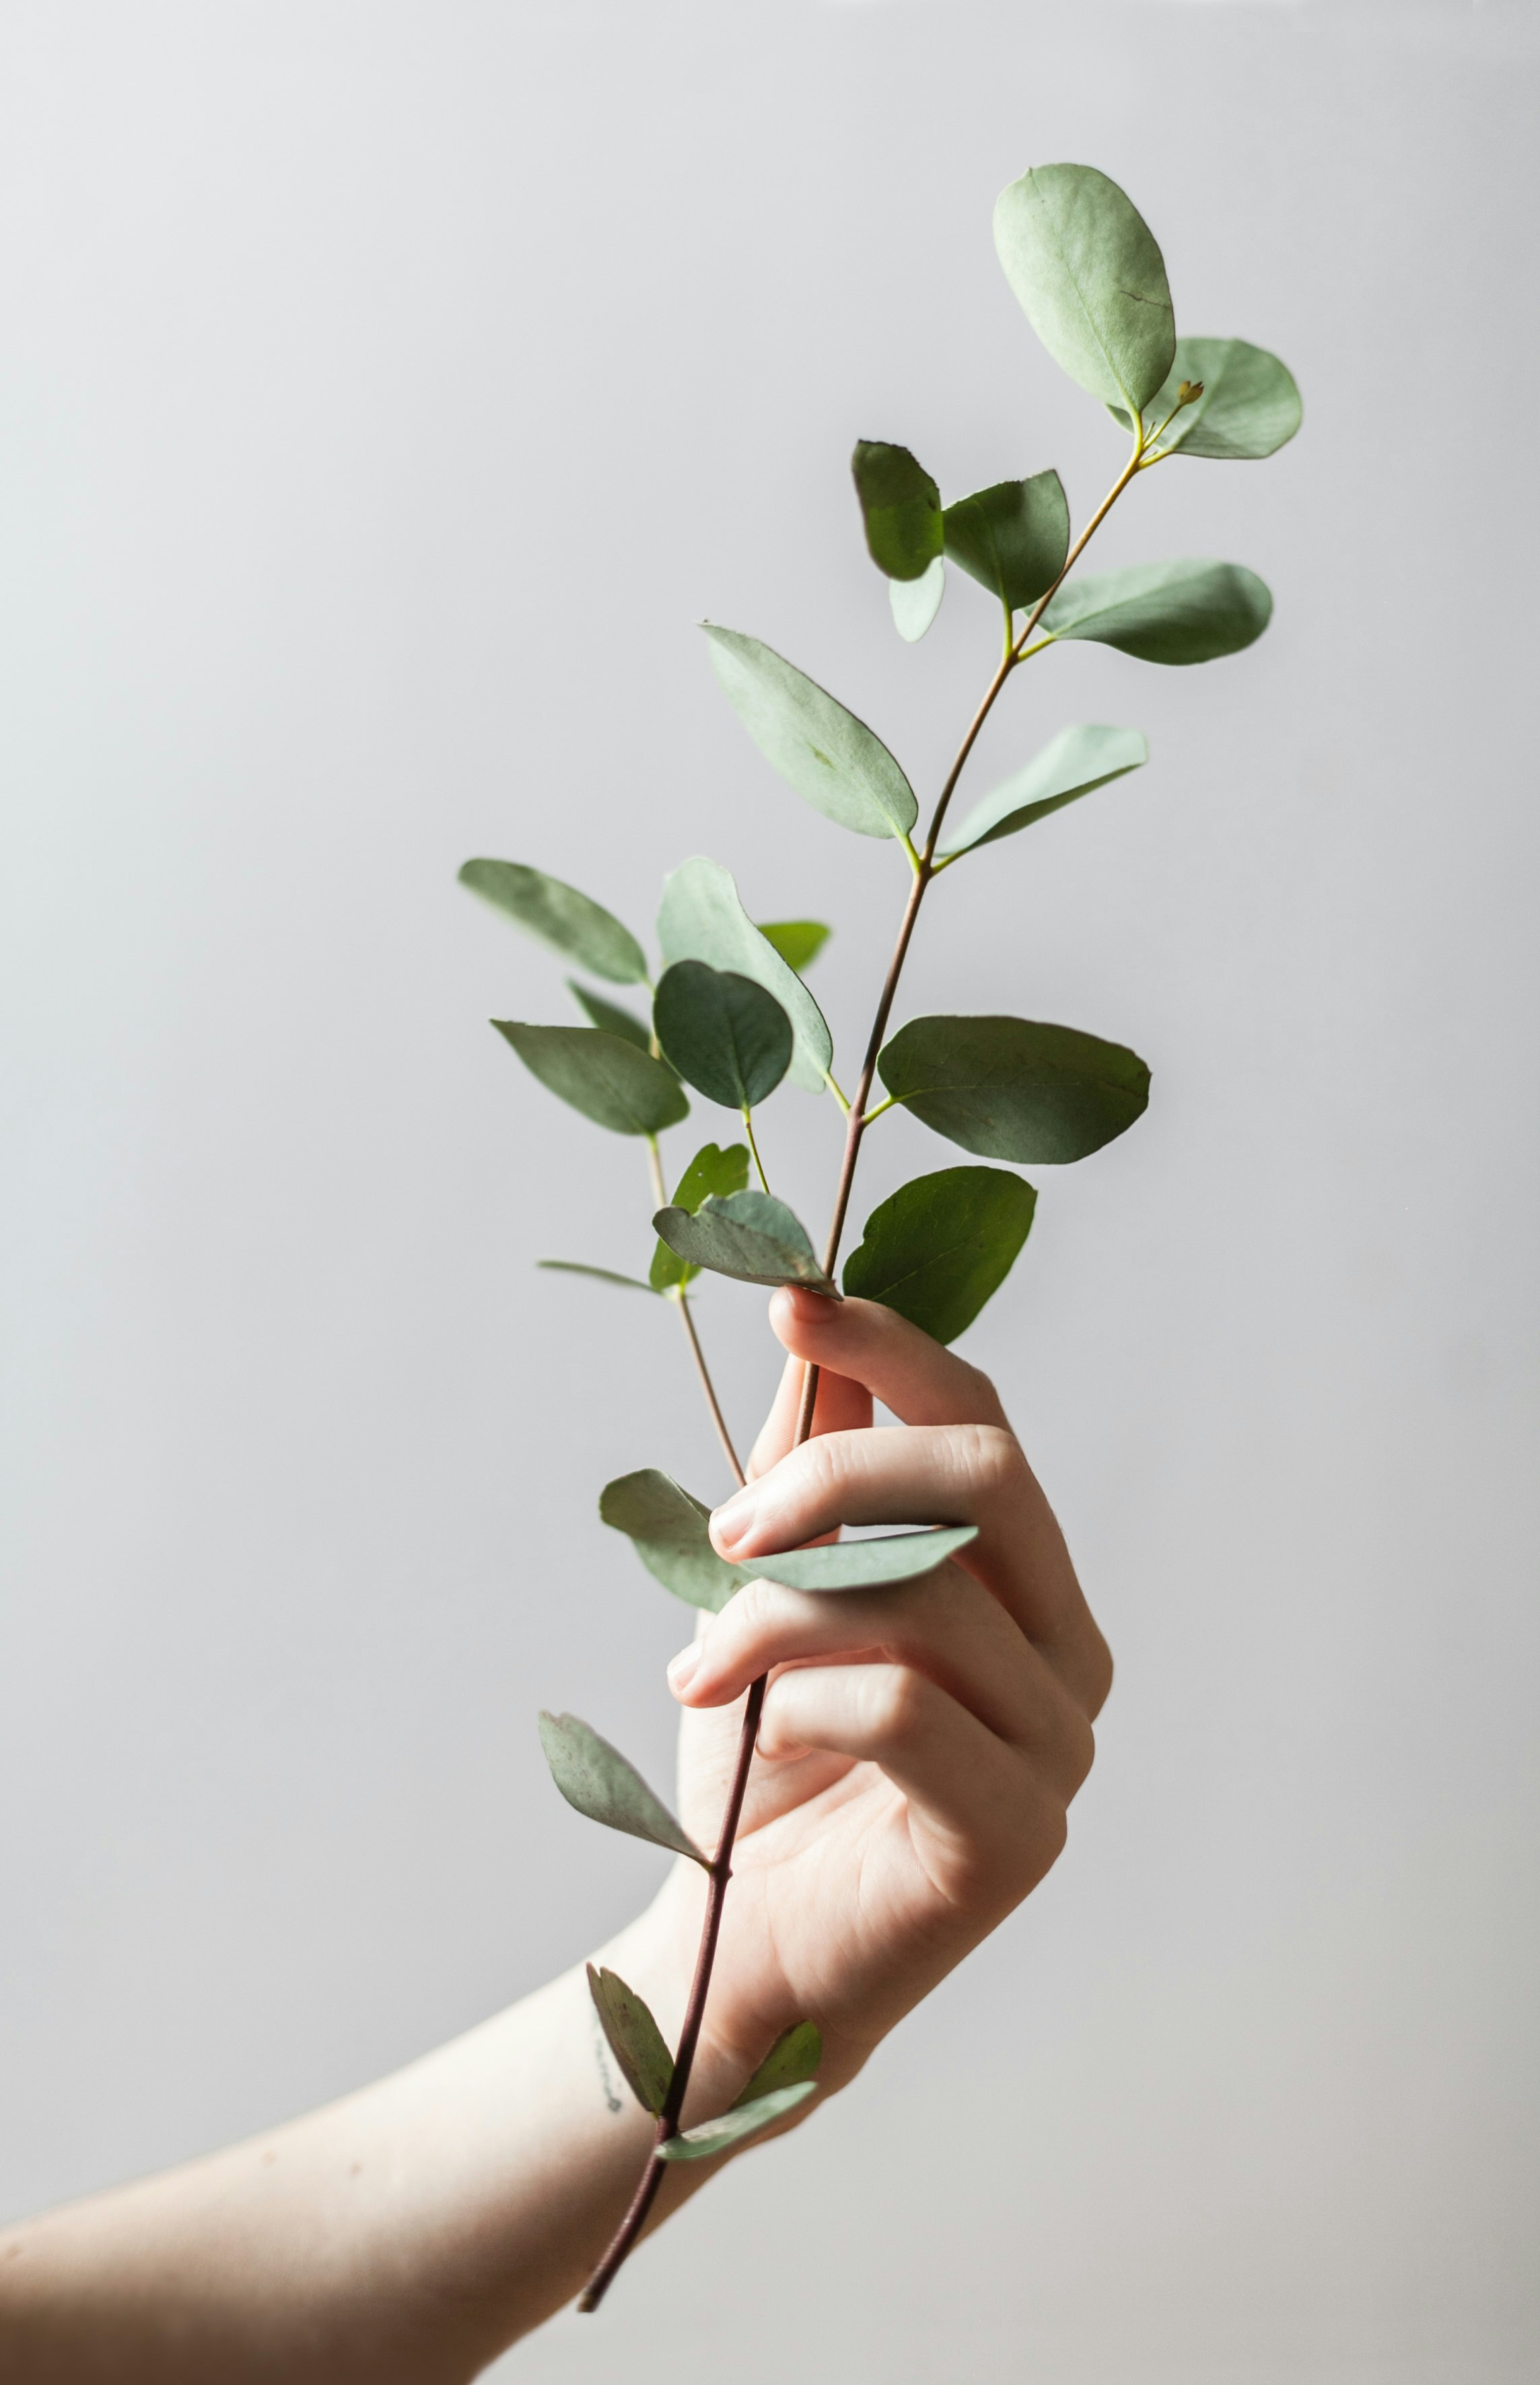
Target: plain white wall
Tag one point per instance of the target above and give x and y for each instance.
(385, 390)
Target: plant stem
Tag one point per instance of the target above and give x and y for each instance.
(681, 1301)
(759, 1164)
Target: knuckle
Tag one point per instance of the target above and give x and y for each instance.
(990, 1457)
(898, 1703)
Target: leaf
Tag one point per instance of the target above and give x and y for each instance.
(750, 1235)
(915, 602)
(863, 1565)
(1185, 611)
(700, 918)
(612, 1016)
(1073, 764)
(597, 1779)
(1012, 539)
(1250, 408)
(834, 761)
(941, 1246)
(1089, 278)
(711, 1171)
(602, 1075)
(634, 2037)
(560, 916)
(799, 942)
(669, 1529)
(723, 1032)
(901, 506)
(1013, 1088)
(746, 2120)
(793, 2058)
(601, 1275)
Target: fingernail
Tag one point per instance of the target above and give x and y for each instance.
(733, 1520)
(682, 1667)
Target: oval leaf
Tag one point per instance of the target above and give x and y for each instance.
(597, 1779)
(669, 1529)
(863, 1565)
(1076, 762)
(560, 916)
(834, 761)
(901, 507)
(700, 918)
(1250, 408)
(915, 602)
(601, 1275)
(1014, 1088)
(941, 1246)
(743, 2121)
(635, 2038)
(750, 1235)
(1089, 278)
(711, 1171)
(799, 942)
(792, 2059)
(1012, 539)
(602, 1075)
(1187, 611)
(613, 1016)
(723, 1032)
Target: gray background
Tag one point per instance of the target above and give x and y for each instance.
(385, 390)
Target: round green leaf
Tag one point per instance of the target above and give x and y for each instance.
(711, 1170)
(834, 761)
(1012, 539)
(1013, 1088)
(634, 2036)
(1073, 764)
(602, 1075)
(700, 918)
(669, 1529)
(793, 2059)
(750, 1235)
(1187, 611)
(941, 1246)
(861, 1565)
(799, 942)
(723, 1032)
(915, 602)
(743, 2121)
(560, 916)
(597, 1779)
(1090, 280)
(1250, 408)
(613, 1016)
(901, 506)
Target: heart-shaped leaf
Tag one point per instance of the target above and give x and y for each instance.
(743, 2121)
(1089, 278)
(613, 1016)
(670, 1531)
(834, 761)
(1250, 408)
(1012, 539)
(597, 1779)
(635, 2038)
(601, 1275)
(700, 918)
(560, 916)
(792, 2059)
(1073, 764)
(1014, 1088)
(750, 1235)
(1185, 611)
(724, 1033)
(915, 602)
(602, 1075)
(799, 942)
(940, 1246)
(863, 1565)
(711, 1170)
(901, 507)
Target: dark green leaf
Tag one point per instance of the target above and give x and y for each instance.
(746, 2120)
(612, 1016)
(711, 1171)
(863, 1565)
(1249, 406)
(1012, 539)
(669, 1529)
(799, 942)
(724, 1034)
(941, 1246)
(560, 916)
(793, 2058)
(831, 758)
(915, 602)
(1090, 280)
(634, 2036)
(700, 918)
(602, 1075)
(1187, 611)
(901, 506)
(1013, 1088)
(596, 1778)
(1073, 764)
(601, 1275)
(750, 1235)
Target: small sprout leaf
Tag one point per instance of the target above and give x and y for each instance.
(799, 942)
(560, 918)
(1239, 404)
(597, 1779)
(915, 602)
(711, 1170)
(634, 2037)
(794, 2057)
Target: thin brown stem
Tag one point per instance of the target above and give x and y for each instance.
(681, 1301)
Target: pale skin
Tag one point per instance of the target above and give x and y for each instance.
(919, 1749)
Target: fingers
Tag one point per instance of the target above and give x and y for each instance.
(915, 1377)
(841, 1407)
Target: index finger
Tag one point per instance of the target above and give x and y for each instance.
(919, 1380)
